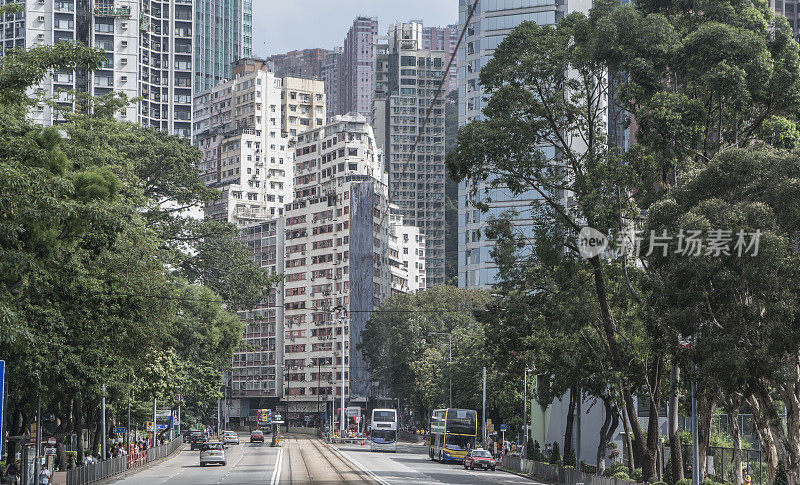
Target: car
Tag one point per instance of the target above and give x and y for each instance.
(196, 442)
(212, 452)
(230, 438)
(479, 458)
(256, 435)
(192, 433)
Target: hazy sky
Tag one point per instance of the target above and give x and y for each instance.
(283, 25)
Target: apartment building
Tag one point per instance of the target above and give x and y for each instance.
(406, 254)
(223, 34)
(357, 76)
(443, 39)
(303, 107)
(492, 21)
(340, 246)
(331, 76)
(244, 154)
(147, 46)
(305, 63)
(406, 80)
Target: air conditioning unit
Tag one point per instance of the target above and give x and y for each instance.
(124, 25)
(123, 61)
(123, 79)
(41, 2)
(123, 43)
(40, 37)
(40, 18)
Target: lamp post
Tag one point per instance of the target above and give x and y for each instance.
(342, 318)
(450, 361)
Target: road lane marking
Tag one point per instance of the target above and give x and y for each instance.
(362, 467)
(276, 474)
(231, 469)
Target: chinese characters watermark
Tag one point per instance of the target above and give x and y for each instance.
(714, 243)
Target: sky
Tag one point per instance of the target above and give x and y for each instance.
(283, 25)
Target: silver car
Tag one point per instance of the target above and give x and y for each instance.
(212, 452)
(230, 438)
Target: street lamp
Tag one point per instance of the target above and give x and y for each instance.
(450, 362)
(342, 318)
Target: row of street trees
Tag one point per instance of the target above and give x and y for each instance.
(104, 278)
(709, 91)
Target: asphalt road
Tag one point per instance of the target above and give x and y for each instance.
(411, 465)
(301, 462)
(248, 463)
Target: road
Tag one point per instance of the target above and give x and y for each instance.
(302, 460)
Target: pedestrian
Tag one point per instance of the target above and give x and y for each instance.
(12, 472)
(44, 476)
(746, 480)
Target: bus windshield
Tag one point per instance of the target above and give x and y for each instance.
(458, 443)
(384, 435)
(383, 416)
(461, 421)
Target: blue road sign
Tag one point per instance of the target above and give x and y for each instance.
(161, 426)
(502, 427)
(119, 430)
(2, 395)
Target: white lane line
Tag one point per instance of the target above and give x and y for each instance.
(230, 470)
(276, 474)
(362, 467)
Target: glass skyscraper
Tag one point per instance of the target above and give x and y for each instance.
(223, 34)
(491, 22)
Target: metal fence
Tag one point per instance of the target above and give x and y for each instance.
(555, 474)
(719, 464)
(114, 466)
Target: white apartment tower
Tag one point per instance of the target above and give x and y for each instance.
(238, 130)
(148, 51)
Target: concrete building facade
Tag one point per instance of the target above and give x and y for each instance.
(244, 153)
(406, 80)
(332, 77)
(223, 34)
(443, 39)
(148, 50)
(303, 107)
(305, 63)
(357, 74)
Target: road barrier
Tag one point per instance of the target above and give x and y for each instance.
(114, 466)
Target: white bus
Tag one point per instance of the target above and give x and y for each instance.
(383, 430)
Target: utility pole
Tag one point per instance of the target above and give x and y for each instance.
(341, 420)
(695, 440)
(525, 410)
(483, 412)
(37, 466)
(103, 441)
(128, 433)
(179, 418)
(578, 431)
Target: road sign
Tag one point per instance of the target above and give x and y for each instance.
(51, 440)
(162, 426)
(353, 411)
(2, 395)
(502, 427)
(119, 430)
(49, 451)
(150, 426)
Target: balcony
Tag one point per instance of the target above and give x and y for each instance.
(110, 11)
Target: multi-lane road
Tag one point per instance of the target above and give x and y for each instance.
(309, 461)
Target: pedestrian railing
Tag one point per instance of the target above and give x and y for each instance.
(555, 474)
(114, 466)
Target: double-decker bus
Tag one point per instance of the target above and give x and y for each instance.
(453, 434)
(383, 430)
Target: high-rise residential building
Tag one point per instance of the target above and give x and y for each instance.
(492, 21)
(223, 34)
(299, 63)
(357, 73)
(406, 80)
(244, 153)
(303, 108)
(443, 39)
(342, 250)
(332, 75)
(791, 10)
(148, 50)
(256, 367)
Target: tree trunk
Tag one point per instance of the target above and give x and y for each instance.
(706, 405)
(732, 404)
(601, 447)
(77, 428)
(98, 434)
(573, 395)
(675, 450)
(628, 441)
